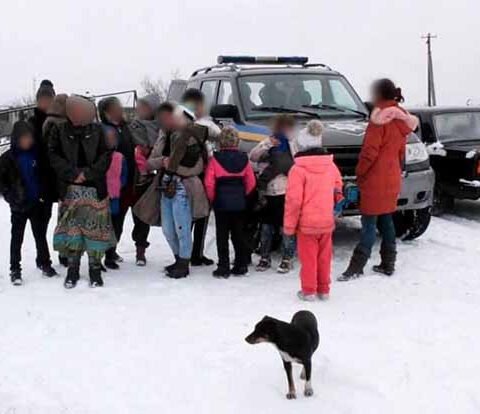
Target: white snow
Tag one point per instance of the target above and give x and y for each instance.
(474, 183)
(471, 154)
(146, 344)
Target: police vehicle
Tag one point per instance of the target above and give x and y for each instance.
(246, 91)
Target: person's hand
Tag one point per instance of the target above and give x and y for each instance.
(80, 178)
(274, 141)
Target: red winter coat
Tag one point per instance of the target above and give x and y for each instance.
(314, 186)
(379, 170)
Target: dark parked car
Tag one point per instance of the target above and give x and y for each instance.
(452, 137)
(247, 91)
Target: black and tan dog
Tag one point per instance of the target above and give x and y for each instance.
(296, 341)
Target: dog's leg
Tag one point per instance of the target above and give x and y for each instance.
(307, 366)
(302, 374)
(292, 393)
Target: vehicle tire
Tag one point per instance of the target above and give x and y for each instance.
(411, 224)
(442, 203)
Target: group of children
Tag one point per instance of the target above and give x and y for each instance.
(294, 194)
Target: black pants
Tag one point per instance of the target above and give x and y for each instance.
(39, 217)
(231, 225)
(140, 230)
(199, 228)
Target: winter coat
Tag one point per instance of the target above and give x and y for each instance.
(65, 142)
(125, 146)
(13, 185)
(144, 132)
(229, 179)
(117, 177)
(379, 169)
(314, 186)
(261, 154)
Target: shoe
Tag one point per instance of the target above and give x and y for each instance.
(111, 264)
(355, 268)
(117, 258)
(306, 297)
(141, 260)
(169, 268)
(72, 277)
(323, 296)
(16, 277)
(95, 273)
(63, 261)
(285, 266)
(222, 272)
(48, 271)
(387, 265)
(181, 270)
(201, 261)
(239, 270)
(263, 265)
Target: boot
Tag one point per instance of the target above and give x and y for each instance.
(141, 259)
(181, 270)
(110, 262)
(73, 274)
(387, 265)
(169, 268)
(95, 273)
(355, 268)
(16, 277)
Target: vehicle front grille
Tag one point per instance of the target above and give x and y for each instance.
(346, 159)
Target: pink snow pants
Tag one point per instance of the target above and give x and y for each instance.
(315, 254)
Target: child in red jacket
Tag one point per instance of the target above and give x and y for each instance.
(314, 187)
(229, 179)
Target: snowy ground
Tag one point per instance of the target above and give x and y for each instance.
(146, 344)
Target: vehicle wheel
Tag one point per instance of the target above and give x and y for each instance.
(442, 203)
(411, 224)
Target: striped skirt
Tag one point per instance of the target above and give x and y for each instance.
(84, 223)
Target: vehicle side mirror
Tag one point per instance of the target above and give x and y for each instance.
(369, 106)
(225, 112)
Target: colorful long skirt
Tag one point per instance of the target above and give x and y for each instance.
(84, 224)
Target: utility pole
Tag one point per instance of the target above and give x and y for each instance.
(432, 98)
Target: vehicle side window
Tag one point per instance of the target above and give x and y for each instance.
(225, 94)
(209, 89)
(315, 89)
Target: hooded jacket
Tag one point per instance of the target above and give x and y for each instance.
(229, 179)
(314, 186)
(379, 169)
(22, 181)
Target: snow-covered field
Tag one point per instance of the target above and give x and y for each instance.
(146, 344)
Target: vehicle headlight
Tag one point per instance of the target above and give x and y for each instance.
(415, 153)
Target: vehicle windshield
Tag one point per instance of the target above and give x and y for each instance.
(461, 126)
(321, 95)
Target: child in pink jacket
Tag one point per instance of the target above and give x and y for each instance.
(314, 187)
(229, 180)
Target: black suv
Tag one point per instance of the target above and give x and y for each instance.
(247, 91)
(452, 136)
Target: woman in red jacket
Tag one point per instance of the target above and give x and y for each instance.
(379, 177)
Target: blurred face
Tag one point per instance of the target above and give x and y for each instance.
(115, 112)
(44, 102)
(143, 111)
(198, 108)
(25, 142)
(167, 120)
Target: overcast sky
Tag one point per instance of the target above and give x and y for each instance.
(102, 46)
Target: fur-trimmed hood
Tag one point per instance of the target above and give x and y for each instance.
(382, 116)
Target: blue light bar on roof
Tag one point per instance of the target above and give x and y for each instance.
(265, 60)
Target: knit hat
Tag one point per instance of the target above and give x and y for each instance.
(310, 137)
(45, 89)
(229, 138)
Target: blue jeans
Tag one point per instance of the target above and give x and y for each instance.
(177, 222)
(385, 226)
(289, 244)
